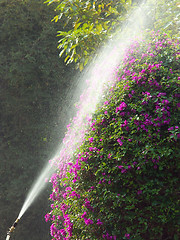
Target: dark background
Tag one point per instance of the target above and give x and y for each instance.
(35, 100)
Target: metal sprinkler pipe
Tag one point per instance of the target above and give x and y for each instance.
(11, 229)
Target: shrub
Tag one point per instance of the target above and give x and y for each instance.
(123, 180)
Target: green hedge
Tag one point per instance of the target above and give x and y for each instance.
(123, 182)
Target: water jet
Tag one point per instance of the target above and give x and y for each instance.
(107, 60)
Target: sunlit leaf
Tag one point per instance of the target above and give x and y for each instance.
(81, 66)
(67, 58)
(99, 28)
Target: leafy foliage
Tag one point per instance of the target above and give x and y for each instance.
(89, 23)
(167, 16)
(123, 180)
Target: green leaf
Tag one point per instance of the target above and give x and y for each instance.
(81, 66)
(61, 53)
(99, 28)
(67, 58)
(176, 237)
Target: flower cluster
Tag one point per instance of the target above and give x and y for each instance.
(123, 180)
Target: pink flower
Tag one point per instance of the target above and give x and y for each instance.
(127, 235)
(68, 189)
(99, 222)
(120, 167)
(83, 215)
(124, 124)
(120, 142)
(170, 129)
(106, 102)
(47, 217)
(88, 205)
(88, 221)
(139, 192)
(91, 139)
(63, 232)
(121, 107)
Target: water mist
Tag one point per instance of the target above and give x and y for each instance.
(100, 73)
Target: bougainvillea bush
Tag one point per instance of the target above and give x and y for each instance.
(122, 182)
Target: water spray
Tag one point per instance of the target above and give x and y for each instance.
(34, 192)
(101, 72)
(12, 228)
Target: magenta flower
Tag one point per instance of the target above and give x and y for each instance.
(91, 139)
(119, 141)
(127, 235)
(106, 102)
(122, 114)
(121, 107)
(63, 232)
(88, 205)
(88, 221)
(99, 222)
(139, 192)
(124, 124)
(47, 217)
(83, 215)
(68, 189)
(109, 155)
(123, 170)
(120, 167)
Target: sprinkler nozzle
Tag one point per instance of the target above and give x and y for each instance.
(11, 229)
